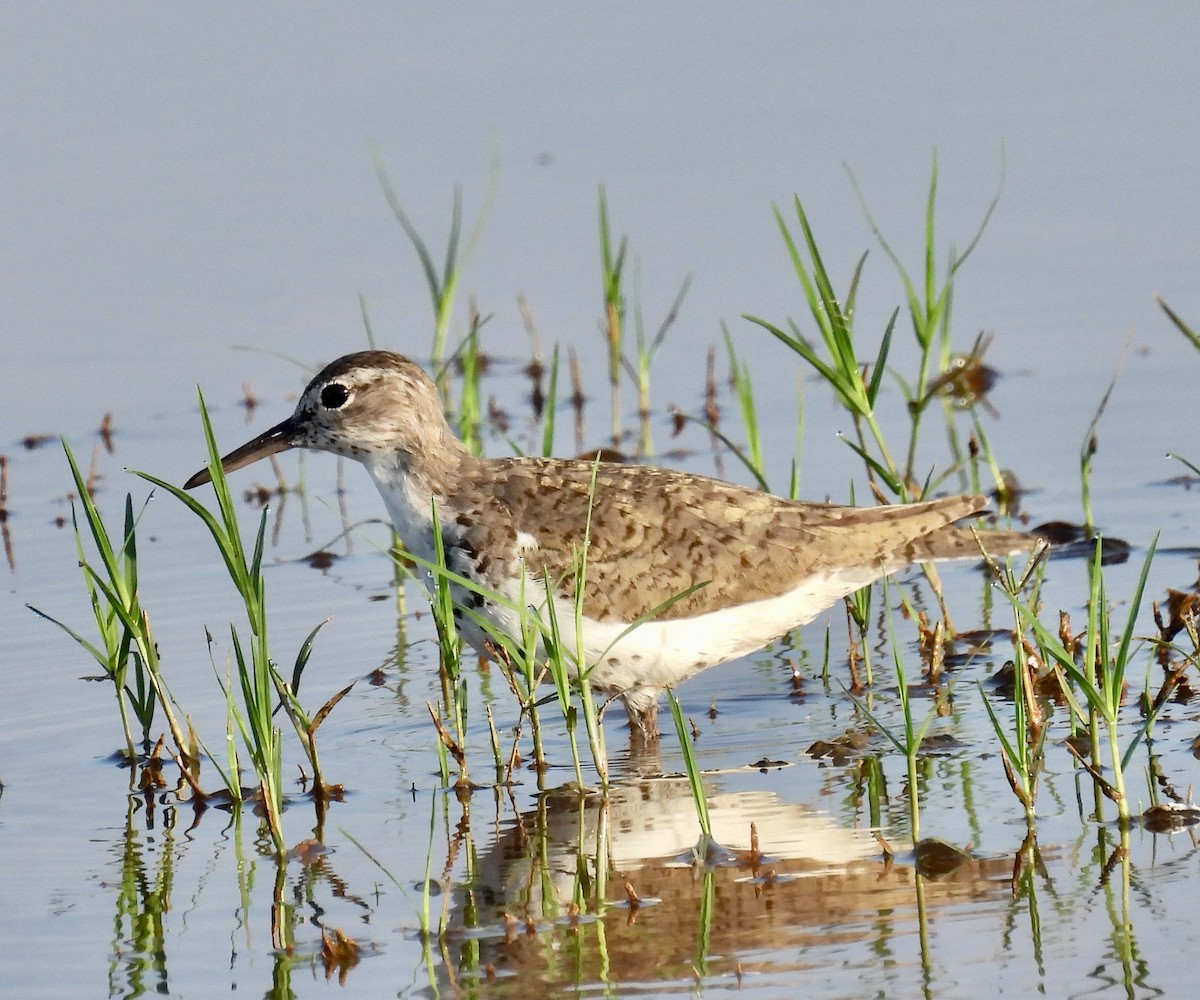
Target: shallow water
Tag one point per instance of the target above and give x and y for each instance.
(250, 209)
(145, 893)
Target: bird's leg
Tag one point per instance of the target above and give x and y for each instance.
(641, 705)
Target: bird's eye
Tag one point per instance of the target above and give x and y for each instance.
(334, 396)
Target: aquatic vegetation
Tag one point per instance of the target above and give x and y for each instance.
(570, 866)
(127, 653)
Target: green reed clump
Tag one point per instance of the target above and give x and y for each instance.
(127, 652)
(257, 678)
(1093, 680)
(908, 740)
(443, 284)
(858, 611)
(750, 454)
(743, 388)
(929, 306)
(612, 267)
(539, 651)
(571, 682)
(445, 611)
(843, 372)
(469, 412)
(304, 722)
(1022, 749)
(612, 277)
(548, 407)
(547, 648)
(454, 685)
(645, 351)
(856, 379)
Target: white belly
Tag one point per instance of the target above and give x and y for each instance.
(619, 658)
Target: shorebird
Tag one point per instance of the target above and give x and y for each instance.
(750, 566)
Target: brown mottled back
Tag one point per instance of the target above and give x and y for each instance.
(656, 533)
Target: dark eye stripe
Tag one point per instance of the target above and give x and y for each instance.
(334, 396)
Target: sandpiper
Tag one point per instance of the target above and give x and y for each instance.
(752, 566)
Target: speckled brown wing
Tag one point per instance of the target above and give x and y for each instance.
(656, 533)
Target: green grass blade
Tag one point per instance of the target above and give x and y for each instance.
(881, 360)
(699, 800)
(550, 406)
(1135, 603)
(1179, 323)
(96, 654)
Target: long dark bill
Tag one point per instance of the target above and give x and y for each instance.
(279, 438)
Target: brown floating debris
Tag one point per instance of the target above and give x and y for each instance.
(841, 749)
(797, 682)
(340, 953)
(1061, 532)
(1181, 605)
(152, 776)
(308, 852)
(482, 362)
(321, 559)
(578, 400)
(936, 859)
(535, 370)
(527, 320)
(1009, 491)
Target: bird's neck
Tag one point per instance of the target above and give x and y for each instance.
(413, 484)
